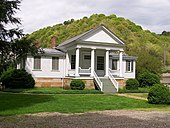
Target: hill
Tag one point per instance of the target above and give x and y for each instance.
(146, 45)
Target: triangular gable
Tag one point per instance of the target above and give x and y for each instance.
(98, 34)
(101, 36)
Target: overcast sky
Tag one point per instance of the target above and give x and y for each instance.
(150, 14)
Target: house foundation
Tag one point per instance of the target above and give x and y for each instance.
(61, 83)
(65, 83)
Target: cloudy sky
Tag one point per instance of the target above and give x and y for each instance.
(150, 14)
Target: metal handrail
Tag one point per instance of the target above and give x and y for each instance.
(98, 81)
(115, 83)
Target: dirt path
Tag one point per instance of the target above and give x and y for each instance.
(130, 96)
(102, 119)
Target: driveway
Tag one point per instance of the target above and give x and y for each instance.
(101, 119)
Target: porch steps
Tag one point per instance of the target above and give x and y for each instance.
(108, 87)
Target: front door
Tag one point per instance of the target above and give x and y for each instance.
(100, 66)
(86, 61)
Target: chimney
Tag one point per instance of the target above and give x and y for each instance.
(53, 43)
(36, 44)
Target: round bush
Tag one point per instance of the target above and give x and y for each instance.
(17, 78)
(77, 84)
(132, 84)
(148, 79)
(159, 94)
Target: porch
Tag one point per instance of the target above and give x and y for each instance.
(85, 62)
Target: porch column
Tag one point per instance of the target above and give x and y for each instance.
(120, 63)
(92, 62)
(67, 63)
(107, 63)
(77, 61)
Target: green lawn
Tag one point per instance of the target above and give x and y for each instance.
(53, 91)
(12, 104)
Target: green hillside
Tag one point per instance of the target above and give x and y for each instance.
(146, 45)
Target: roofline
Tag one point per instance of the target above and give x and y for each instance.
(91, 30)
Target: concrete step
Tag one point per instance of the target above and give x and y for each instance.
(108, 87)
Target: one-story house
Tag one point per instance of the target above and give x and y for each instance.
(96, 56)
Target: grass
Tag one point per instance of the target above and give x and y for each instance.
(140, 90)
(14, 104)
(53, 91)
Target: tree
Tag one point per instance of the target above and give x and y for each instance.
(10, 46)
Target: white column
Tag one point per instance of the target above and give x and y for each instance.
(107, 63)
(134, 69)
(67, 64)
(120, 63)
(77, 61)
(92, 62)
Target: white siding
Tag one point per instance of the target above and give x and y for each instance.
(46, 67)
(128, 74)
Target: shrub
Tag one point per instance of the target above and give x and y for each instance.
(132, 84)
(6, 75)
(159, 94)
(77, 84)
(17, 78)
(148, 79)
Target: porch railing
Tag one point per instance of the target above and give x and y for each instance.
(97, 79)
(114, 82)
(85, 71)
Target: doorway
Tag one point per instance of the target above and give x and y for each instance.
(100, 66)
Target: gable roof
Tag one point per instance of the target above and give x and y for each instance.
(83, 35)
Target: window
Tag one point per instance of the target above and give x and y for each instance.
(129, 66)
(100, 63)
(55, 63)
(114, 64)
(37, 62)
(73, 61)
(87, 57)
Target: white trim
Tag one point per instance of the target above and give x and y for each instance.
(48, 77)
(92, 62)
(107, 63)
(67, 64)
(77, 61)
(120, 63)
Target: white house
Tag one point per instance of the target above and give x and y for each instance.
(96, 56)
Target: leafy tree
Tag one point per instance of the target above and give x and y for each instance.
(165, 33)
(11, 48)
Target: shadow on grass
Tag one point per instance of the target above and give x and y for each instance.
(16, 101)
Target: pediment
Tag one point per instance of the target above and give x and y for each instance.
(101, 36)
